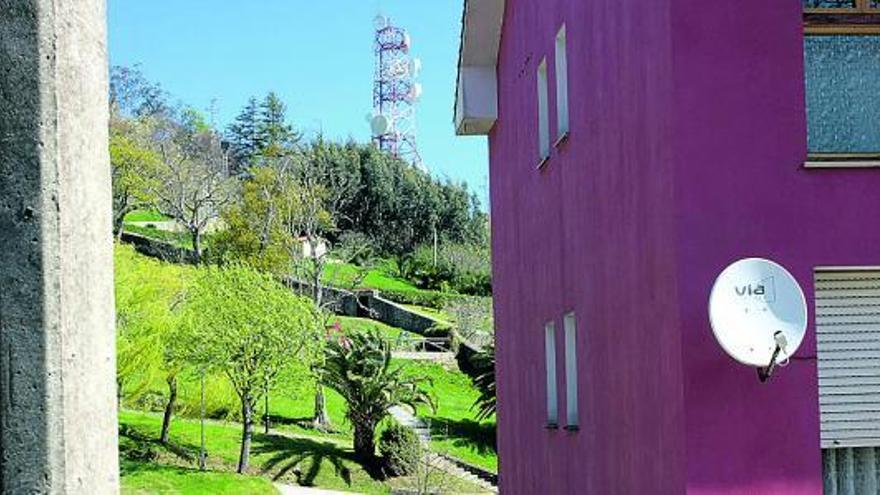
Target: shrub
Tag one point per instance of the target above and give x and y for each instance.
(429, 299)
(400, 450)
(461, 268)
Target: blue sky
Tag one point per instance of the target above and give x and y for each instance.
(318, 55)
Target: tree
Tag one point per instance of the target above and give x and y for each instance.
(147, 292)
(260, 134)
(275, 137)
(254, 225)
(484, 382)
(251, 328)
(316, 187)
(192, 183)
(133, 167)
(133, 96)
(244, 142)
(292, 201)
(359, 368)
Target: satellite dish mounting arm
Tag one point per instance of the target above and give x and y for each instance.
(765, 372)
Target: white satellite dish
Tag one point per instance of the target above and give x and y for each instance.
(379, 124)
(416, 91)
(407, 42)
(758, 313)
(415, 67)
(380, 22)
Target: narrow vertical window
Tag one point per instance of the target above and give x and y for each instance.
(561, 86)
(543, 115)
(550, 363)
(571, 372)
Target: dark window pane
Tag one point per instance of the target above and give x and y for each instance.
(843, 93)
(829, 4)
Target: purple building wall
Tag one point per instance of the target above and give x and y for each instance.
(685, 153)
(590, 232)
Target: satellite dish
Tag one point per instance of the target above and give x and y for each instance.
(379, 125)
(415, 67)
(380, 22)
(416, 91)
(758, 312)
(407, 42)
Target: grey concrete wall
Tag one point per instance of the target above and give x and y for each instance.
(341, 302)
(393, 314)
(57, 362)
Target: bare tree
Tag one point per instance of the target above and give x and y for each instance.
(193, 181)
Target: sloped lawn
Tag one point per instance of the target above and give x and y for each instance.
(143, 478)
(323, 463)
(454, 429)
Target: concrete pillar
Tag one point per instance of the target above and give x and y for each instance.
(57, 359)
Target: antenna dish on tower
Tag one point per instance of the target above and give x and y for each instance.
(380, 125)
(758, 313)
(415, 67)
(395, 92)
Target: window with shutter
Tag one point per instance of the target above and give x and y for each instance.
(848, 352)
(842, 76)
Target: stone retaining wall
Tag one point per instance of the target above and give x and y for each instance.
(159, 249)
(388, 312)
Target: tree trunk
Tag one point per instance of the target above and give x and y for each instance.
(118, 226)
(317, 282)
(266, 416)
(197, 244)
(434, 230)
(364, 448)
(119, 218)
(169, 409)
(247, 431)
(322, 418)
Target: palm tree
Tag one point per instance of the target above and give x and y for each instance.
(359, 369)
(484, 382)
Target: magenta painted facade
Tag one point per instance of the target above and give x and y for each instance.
(686, 152)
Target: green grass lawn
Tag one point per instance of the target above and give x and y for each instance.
(146, 216)
(455, 430)
(347, 274)
(324, 463)
(327, 463)
(143, 478)
(350, 324)
(291, 409)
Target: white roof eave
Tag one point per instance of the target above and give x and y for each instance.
(478, 57)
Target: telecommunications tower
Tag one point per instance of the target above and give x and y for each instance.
(395, 93)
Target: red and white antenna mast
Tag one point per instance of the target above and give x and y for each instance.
(395, 93)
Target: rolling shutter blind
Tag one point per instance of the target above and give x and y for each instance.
(848, 351)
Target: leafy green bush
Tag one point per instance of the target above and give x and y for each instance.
(400, 450)
(416, 297)
(460, 268)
